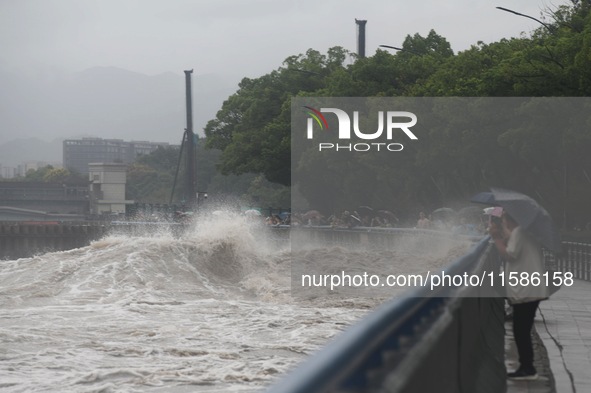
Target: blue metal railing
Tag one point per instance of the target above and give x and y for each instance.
(455, 335)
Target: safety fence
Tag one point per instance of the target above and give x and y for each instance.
(447, 340)
(575, 258)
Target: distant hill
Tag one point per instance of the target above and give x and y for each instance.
(104, 102)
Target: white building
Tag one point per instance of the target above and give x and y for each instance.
(107, 188)
(7, 172)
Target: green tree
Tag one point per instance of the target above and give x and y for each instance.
(57, 175)
(151, 178)
(253, 126)
(252, 129)
(38, 174)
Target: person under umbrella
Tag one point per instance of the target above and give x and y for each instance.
(523, 254)
(527, 213)
(526, 228)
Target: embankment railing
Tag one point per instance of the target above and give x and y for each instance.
(575, 258)
(447, 340)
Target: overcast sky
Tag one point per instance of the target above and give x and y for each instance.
(234, 37)
(46, 43)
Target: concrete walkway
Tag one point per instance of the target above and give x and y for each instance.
(545, 381)
(562, 343)
(564, 325)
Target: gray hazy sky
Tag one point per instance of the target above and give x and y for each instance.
(46, 44)
(233, 37)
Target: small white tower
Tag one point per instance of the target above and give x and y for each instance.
(107, 188)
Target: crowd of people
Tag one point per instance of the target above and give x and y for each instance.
(368, 217)
(363, 216)
(346, 219)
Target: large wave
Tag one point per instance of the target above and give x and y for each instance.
(220, 257)
(210, 310)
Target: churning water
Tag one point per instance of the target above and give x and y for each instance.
(210, 311)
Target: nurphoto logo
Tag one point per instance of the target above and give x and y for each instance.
(393, 120)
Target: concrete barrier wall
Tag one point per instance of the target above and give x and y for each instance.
(20, 239)
(25, 239)
(378, 238)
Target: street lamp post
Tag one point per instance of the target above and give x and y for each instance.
(564, 164)
(526, 16)
(308, 72)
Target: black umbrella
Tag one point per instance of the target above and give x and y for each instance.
(527, 212)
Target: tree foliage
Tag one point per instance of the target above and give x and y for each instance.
(252, 129)
(49, 174)
(150, 179)
(253, 126)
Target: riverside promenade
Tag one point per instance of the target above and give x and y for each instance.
(563, 326)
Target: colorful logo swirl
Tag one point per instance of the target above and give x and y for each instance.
(319, 117)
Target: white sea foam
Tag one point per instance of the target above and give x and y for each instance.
(209, 311)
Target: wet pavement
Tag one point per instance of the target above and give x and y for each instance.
(562, 343)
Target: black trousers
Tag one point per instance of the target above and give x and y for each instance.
(523, 320)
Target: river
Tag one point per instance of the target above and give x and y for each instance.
(210, 311)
